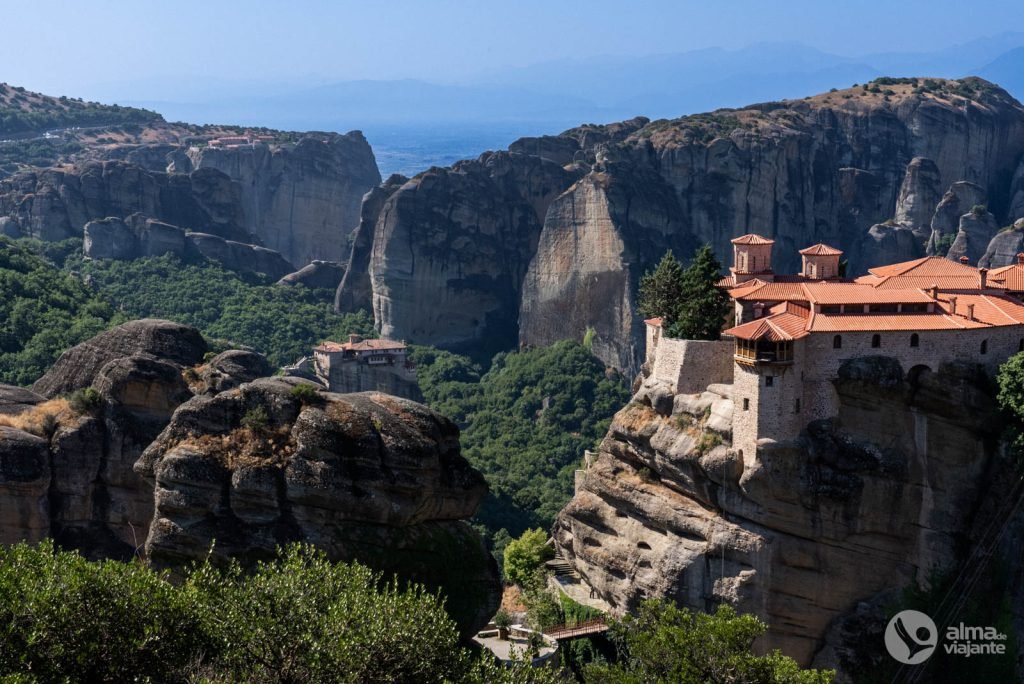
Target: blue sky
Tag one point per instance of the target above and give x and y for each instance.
(80, 48)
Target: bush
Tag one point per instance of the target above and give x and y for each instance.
(298, 618)
(979, 210)
(256, 419)
(525, 556)
(306, 393)
(664, 643)
(85, 401)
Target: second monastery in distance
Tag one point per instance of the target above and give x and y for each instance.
(791, 333)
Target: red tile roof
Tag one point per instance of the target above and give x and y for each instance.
(1008, 277)
(654, 321)
(778, 327)
(962, 282)
(752, 239)
(855, 293)
(925, 266)
(758, 290)
(821, 249)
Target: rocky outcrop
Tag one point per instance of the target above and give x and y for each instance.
(829, 168)
(976, 231)
(961, 198)
(873, 500)
(80, 366)
(451, 248)
(1004, 247)
(55, 204)
(240, 256)
(887, 243)
(919, 194)
(354, 291)
(171, 454)
(365, 477)
(301, 199)
(319, 275)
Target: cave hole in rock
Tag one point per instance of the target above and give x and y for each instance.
(643, 545)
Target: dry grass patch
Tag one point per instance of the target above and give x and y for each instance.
(42, 420)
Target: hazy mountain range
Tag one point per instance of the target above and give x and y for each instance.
(414, 123)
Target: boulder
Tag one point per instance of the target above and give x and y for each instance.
(232, 368)
(24, 486)
(109, 238)
(977, 228)
(238, 256)
(79, 367)
(919, 194)
(14, 400)
(960, 199)
(319, 275)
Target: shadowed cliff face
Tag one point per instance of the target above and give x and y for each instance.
(826, 169)
(873, 500)
(301, 200)
(174, 454)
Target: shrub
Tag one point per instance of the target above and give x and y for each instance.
(305, 393)
(979, 210)
(40, 420)
(525, 556)
(85, 401)
(256, 419)
(502, 619)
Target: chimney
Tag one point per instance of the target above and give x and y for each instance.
(1020, 258)
(355, 339)
(758, 309)
(970, 311)
(934, 291)
(964, 259)
(952, 305)
(983, 276)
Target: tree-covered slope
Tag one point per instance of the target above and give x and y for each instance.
(43, 311)
(23, 112)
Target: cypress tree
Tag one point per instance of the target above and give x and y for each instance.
(701, 307)
(662, 289)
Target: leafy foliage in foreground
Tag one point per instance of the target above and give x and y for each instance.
(43, 311)
(664, 643)
(525, 423)
(296, 619)
(281, 322)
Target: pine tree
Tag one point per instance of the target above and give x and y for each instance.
(701, 307)
(662, 289)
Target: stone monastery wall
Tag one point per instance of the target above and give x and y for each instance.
(689, 366)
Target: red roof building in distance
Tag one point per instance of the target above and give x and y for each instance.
(361, 365)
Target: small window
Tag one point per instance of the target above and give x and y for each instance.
(746, 404)
(984, 346)
(1020, 347)
(769, 380)
(832, 309)
(837, 342)
(753, 263)
(915, 340)
(796, 408)
(876, 341)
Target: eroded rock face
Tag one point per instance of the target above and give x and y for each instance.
(976, 231)
(451, 248)
(240, 256)
(827, 169)
(870, 501)
(1004, 247)
(366, 477)
(55, 204)
(299, 199)
(886, 244)
(319, 275)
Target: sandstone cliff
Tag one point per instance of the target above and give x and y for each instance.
(301, 199)
(829, 168)
(879, 497)
(167, 455)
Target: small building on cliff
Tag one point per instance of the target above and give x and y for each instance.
(792, 332)
(367, 365)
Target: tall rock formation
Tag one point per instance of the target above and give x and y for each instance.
(827, 168)
(451, 248)
(886, 493)
(301, 199)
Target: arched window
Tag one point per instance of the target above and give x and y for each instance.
(915, 340)
(753, 263)
(984, 346)
(876, 341)
(837, 342)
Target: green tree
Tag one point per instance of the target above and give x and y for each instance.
(667, 644)
(662, 289)
(525, 556)
(702, 306)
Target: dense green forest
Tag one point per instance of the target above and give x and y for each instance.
(283, 323)
(43, 311)
(525, 423)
